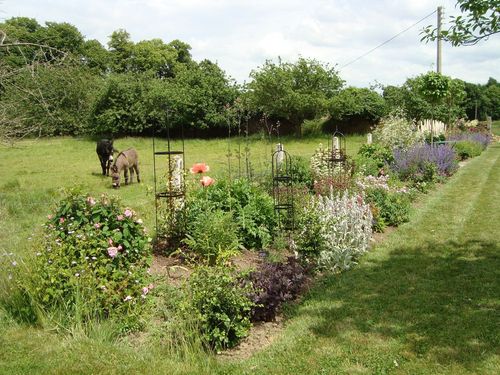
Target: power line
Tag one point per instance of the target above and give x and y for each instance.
(387, 41)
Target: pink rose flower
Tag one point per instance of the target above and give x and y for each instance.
(61, 220)
(112, 251)
(97, 225)
(90, 201)
(119, 217)
(128, 213)
(207, 181)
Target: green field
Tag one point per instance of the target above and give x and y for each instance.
(425, 301)
(33, 172)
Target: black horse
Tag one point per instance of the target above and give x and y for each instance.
(105, 151)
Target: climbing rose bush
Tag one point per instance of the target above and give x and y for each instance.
(335, 231)
(95, 251)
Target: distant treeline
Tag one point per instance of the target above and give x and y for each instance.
(55, 82)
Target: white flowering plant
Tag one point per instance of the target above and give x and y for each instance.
(335, 231)
(92, 250)
(396, 132)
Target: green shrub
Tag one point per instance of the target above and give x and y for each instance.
(301, 172)
(380, 154)
(94, 254)
(372, 158)
(392, 208)
(212, 235)
(467, 149)
(252, 209)
(220, 305)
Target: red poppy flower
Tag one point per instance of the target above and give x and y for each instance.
(199, 168)
(207, 181)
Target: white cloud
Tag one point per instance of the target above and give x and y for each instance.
(241, 35)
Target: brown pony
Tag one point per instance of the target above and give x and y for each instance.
(125, 161)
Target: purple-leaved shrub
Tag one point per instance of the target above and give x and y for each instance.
(274, 284)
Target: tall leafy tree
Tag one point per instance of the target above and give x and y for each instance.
(155, 57)
(293, 91)
(121, 50)
(357, 103)
(427, 96)
(196, 97)
(95, 56)
(479, 20)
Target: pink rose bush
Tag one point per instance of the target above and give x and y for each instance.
(94, 241)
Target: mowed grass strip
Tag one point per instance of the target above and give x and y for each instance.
(426, 301)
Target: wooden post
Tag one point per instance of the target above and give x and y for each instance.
(369, 139)
(438, 58)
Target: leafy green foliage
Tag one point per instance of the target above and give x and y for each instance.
(357, 103)
(121, 107)
(301, 172)
(197, 97)
(45, 43)
(379, 154)
(293, 91)
(392, 207)
(252, 209)
(94, 251)
(434, 87)
(427, 96)
(213, 235)
(478, 21)
(467, 149)
(47, 99)
(220, 305)
(482, 100)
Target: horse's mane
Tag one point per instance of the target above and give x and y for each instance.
(119, 154)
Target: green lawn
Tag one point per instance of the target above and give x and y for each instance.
(425, 301)
(33, 172)
(495, 127)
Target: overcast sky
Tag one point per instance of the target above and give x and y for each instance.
(241, 34)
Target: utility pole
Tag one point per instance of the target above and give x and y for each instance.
(439, 17)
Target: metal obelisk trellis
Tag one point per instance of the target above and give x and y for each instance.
(283, 188)
(338, 165)
(169, 192)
